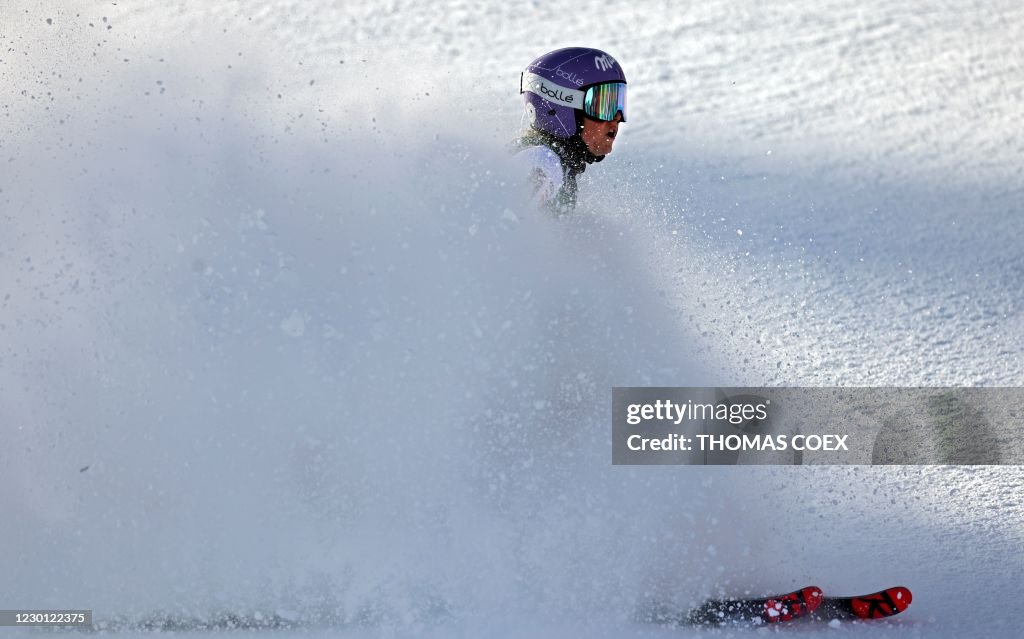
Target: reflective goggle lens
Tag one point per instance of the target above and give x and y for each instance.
(603, 101)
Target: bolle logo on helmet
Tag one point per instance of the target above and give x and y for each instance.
(604, 62)
(556, 93)
(552, 92)
(571, 77)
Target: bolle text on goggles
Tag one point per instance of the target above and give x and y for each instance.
(600, 101)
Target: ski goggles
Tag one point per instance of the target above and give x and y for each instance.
(600, 101)
(603, 101)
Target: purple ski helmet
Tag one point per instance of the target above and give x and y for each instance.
(558, 84)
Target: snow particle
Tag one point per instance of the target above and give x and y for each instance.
(294, 325)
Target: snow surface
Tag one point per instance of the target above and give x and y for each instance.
(280, 335)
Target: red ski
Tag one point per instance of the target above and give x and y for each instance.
(806, 602)
(877, 605)
(773, 609)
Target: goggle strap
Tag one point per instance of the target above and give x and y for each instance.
(572, 98)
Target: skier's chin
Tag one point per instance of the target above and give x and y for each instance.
(603, 147)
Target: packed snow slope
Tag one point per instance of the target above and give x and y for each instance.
(280, 333)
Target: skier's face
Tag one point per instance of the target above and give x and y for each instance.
(600, 136)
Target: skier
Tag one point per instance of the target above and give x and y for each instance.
(575, 100)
